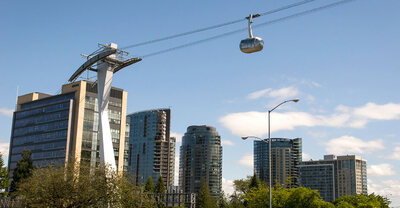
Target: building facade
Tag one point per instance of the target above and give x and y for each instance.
(151, 149)
(319, 175)
(64, 127)
(286, 157)
(335, 176)
(201, 159)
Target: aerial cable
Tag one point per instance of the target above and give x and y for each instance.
(216, 26)
(255, 26)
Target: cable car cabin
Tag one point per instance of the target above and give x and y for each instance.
(251, 45)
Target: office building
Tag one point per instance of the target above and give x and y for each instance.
(286, 157)
(335, 176)
(151, 149)
(319, 175)
(201, 159)
(64, 127)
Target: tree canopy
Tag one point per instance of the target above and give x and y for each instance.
(56, 186)
(204, 199)
(3, 176)
(248, 194)
(149, 187)
(365, 201)
(23, 170)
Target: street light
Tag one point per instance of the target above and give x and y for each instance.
(269, 145)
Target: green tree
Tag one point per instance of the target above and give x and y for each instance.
(254, 182)
(56, 186)
(286, 198)
(23, 170)
(160, 189)
(257, 197)
(133, 196)
(235, 201)
(3, 177)
(242, 185)
(149, 187)
(204, 199)
(364, 201)
(305, 197)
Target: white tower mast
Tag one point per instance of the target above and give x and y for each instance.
(109, 60)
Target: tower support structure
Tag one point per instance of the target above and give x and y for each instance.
(108, 60)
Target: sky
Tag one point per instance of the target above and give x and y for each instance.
(342, 63)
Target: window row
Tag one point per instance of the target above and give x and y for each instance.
(43, 118)
(47, 109)
(41, 128)
(40, 147)
(56, 135)
(40, 155)
(42, 102)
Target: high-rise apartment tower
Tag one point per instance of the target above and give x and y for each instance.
(201, 159)
(286, 157)
(151, 149)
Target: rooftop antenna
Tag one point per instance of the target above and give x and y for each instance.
(108, 60)
(16, 99)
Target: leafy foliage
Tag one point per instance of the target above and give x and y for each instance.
(253, 196)
(286, 198)
(56, 186)
(160, 189)
(149, 187)
(364, 201)
(3, 177)
(254, 182)
(204, 199)
(23, 170)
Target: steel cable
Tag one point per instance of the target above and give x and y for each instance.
(216, 26)
(244, 29)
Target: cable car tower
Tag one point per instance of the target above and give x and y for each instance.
(108, 60)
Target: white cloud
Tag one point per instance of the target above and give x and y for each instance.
(315, 84)
(4, 147)
(283, 93)
(227, 143)
(305, 82)
(395, 155)
(388, 111)
(352, 145)
(316, 134)
(387, 188)
(306, 157)
(7, 112)
(310, 98)
(177, 136)
(384, 169)
(247, 160)
(254, 123)
(227, 186)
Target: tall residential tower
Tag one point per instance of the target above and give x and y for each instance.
(151, 149)
(201, 159)
(286, 157)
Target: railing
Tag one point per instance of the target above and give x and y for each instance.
(8, 202)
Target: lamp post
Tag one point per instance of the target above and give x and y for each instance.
(269, 146)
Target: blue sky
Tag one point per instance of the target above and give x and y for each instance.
(342, 63)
